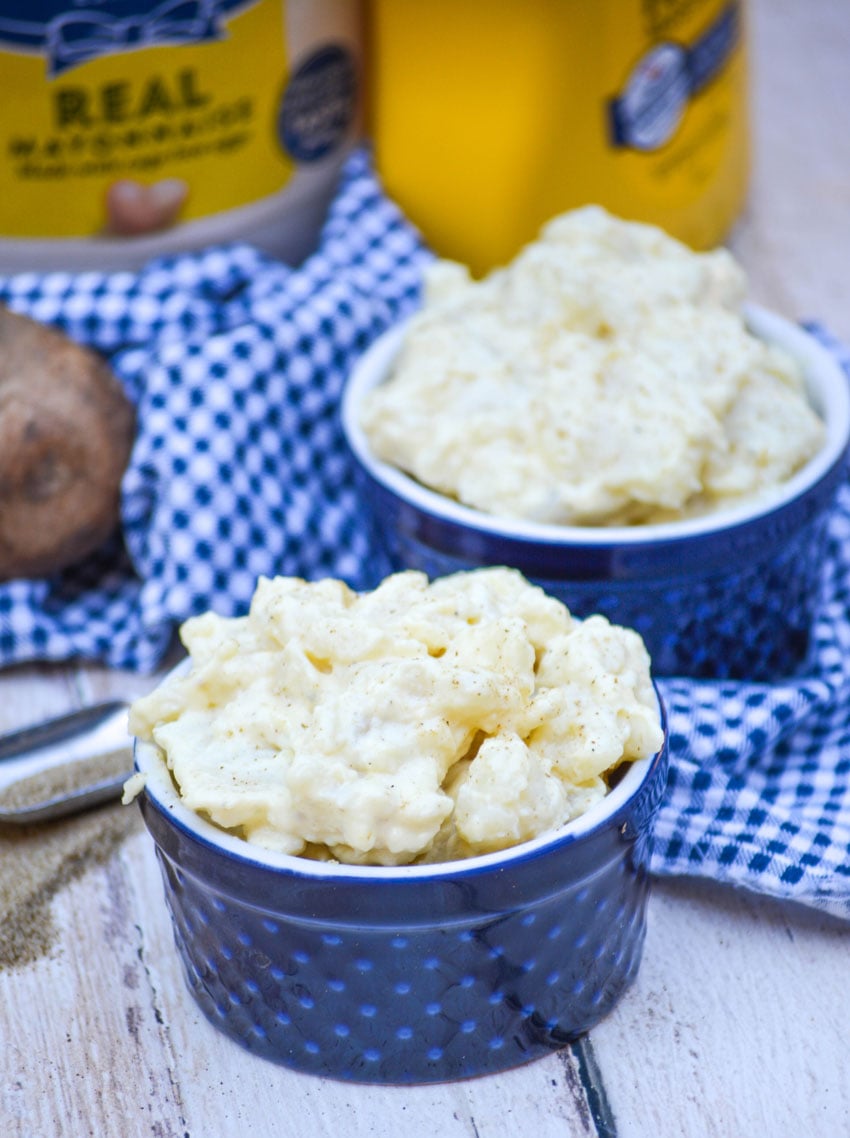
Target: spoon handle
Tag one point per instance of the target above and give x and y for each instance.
(52, 731)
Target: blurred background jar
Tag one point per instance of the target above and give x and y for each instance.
(488, 117)
(132, 128)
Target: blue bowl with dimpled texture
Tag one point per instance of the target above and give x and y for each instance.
(411, 974)
(731, 595)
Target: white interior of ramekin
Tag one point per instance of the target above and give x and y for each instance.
(159, 785)
(829, 394)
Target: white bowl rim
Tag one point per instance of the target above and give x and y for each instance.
(829, 392)
(160, 787)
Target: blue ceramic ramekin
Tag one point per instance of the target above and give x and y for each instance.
(410, 974)
(730, 595)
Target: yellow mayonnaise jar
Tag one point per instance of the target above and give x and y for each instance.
(488, 117)
(132, 128)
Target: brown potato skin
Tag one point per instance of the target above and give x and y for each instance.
(66, 433)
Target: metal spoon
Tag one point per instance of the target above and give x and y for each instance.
(49, 732)
(90, 733)
(69, 802)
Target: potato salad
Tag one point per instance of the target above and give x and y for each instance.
(605, 377)
(416, 722)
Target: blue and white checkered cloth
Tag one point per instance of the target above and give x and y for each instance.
(759, 786)
(236, 364)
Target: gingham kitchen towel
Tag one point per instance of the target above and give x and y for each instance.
(236, 364)
(759, 787)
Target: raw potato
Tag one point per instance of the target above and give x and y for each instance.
(66, 431)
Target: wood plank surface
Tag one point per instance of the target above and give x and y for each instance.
(739, 1015)
(736, 1024)
(794, 235)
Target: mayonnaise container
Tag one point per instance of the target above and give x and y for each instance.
(132, 128)
(488, 117)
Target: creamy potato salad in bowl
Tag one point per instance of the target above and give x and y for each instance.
(404, 833)
(609, 415)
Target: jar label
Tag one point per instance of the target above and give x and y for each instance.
(127, 117)
(645, 116)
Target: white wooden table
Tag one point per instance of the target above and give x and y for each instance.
(737, 1024)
